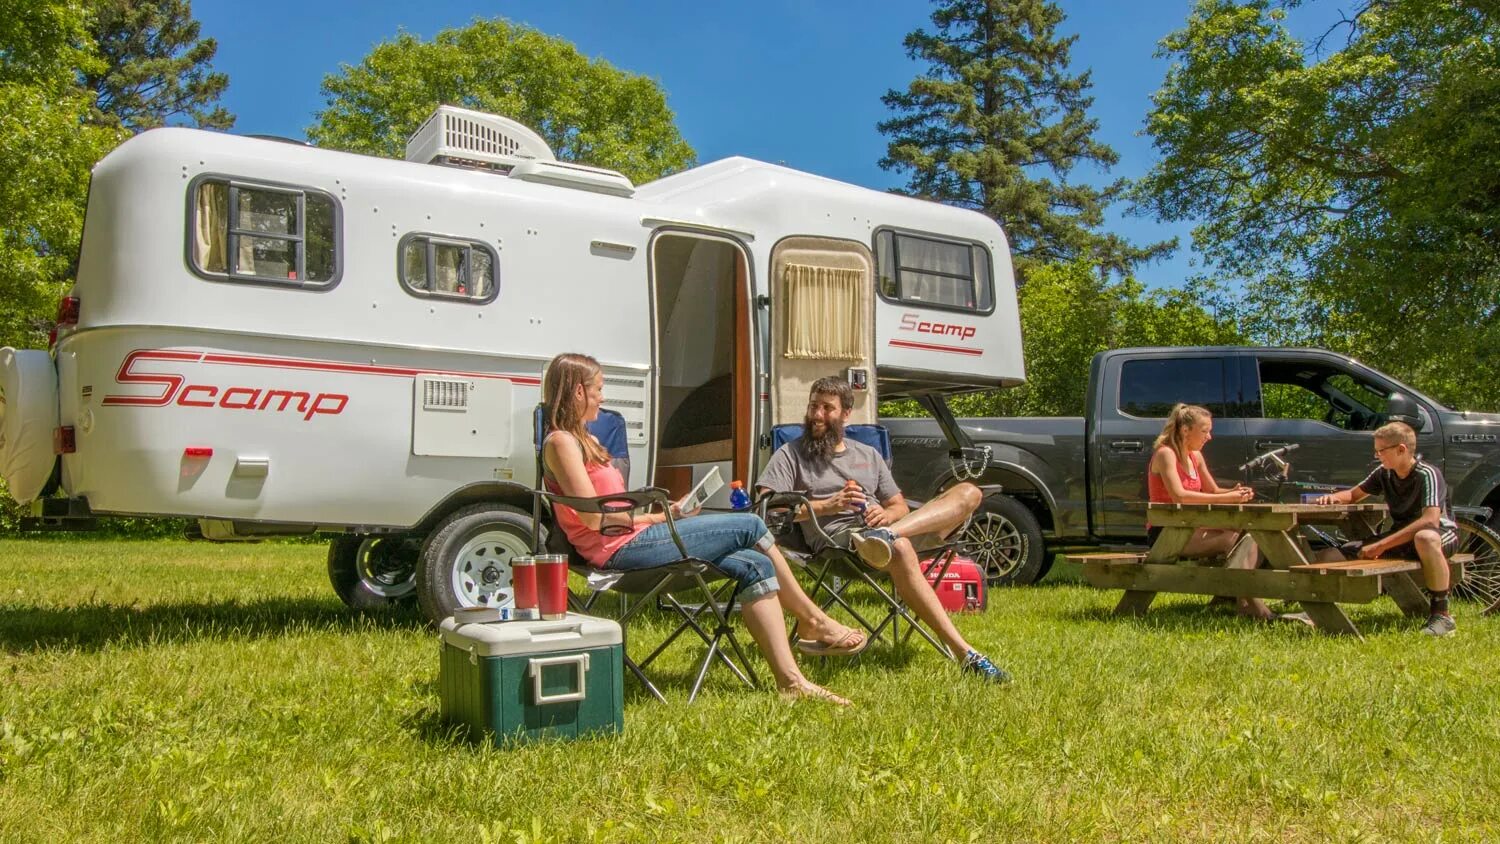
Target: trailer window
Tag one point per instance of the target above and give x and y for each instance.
(242, 231)
(448, 268)
(934, 273)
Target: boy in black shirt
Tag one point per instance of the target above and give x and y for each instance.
(1417, 496)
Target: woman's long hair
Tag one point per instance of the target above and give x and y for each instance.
(1183, 417)
(565, 374)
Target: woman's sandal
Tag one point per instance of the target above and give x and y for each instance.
(808, 690)
(850, 643)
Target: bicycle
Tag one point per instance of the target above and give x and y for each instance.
(1481, 577)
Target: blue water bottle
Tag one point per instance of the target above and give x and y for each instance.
(738, 498)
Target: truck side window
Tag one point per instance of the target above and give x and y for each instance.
(1309, 390)
(1149, 388)
(448, 268)
(928, 271)
(247, 231)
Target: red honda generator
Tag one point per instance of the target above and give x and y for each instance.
(962, 585)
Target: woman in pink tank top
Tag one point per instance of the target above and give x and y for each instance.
(738, 544)
(1179, 474)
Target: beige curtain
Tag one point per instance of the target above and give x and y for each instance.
(823, 313)
(211, 228)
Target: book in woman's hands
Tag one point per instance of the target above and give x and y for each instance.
(700, 494)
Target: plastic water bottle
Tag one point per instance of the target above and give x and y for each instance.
(738, 498)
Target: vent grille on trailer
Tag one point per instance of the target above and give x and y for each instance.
(474, 139)
(446, 395)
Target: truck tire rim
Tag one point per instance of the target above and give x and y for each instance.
(996, 545)
(481, 571)
(381, 569)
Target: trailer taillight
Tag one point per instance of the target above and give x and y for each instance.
(67, 310)
(63, 441)
(197, 451)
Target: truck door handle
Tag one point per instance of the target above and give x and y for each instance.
(1270, 444)
(1125, 445)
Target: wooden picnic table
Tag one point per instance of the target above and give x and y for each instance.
(1290, 572)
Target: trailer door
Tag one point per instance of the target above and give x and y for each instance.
(704, 352)
(822, 323)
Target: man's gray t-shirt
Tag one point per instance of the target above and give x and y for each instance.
(792, 468)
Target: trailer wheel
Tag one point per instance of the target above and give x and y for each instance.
(466, 560)
(1006, 541)
(373, 571)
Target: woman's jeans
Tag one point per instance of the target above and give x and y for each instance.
(734, 542)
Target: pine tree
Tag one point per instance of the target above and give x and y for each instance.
(995, 109)
(156, 68)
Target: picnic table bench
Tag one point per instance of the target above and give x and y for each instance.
(1290, 572)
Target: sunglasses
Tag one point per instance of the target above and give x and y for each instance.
(1384, 449)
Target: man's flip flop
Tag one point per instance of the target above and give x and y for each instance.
(849, 644)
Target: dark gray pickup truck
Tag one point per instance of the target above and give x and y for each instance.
(1072, 481)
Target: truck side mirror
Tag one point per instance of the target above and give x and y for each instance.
(1401, 408)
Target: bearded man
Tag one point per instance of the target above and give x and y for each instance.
(871, 513)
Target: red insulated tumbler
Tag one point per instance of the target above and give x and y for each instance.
(552, 585)
(523, 581)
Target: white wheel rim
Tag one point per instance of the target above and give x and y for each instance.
(481, 570)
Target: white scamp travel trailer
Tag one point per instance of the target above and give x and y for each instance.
(277, 339)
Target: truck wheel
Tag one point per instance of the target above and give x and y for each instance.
(1482, 578)
(466, 560)
(1006, 541)
(373, 571)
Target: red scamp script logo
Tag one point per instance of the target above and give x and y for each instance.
(175, 389)
(912, 322)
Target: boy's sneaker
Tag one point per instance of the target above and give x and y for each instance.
(1439, 624)
(979, 665)
(873, 545)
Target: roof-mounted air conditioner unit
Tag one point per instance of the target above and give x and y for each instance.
(466, 138)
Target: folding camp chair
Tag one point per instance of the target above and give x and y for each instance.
(834, 567)
(644, 586)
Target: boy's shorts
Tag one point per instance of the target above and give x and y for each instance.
(1406, 551)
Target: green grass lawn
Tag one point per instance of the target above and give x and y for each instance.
(175, 691)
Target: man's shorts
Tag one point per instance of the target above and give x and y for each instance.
(1407, 551)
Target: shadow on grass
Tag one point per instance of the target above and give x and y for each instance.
(93, 625)
(1196, 617)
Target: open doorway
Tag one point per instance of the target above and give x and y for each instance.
(705, 399)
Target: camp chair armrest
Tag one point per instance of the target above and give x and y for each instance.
(793, 500)
(620, 502)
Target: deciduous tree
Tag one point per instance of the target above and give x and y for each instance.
(47, 145)
(587, 110)
(1354, 182)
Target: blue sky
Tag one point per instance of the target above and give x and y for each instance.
(790, 82)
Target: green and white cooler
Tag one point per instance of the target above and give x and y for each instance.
(527, 680)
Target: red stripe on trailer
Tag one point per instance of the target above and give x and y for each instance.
(933, 347)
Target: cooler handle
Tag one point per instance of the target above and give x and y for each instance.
(534, 669)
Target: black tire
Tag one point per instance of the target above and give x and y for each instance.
(369, 572)
(1006, 541)
(1482, 577)
(466, 560)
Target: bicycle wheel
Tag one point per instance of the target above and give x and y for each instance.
(1482, 577)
